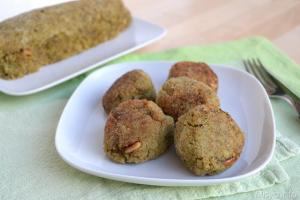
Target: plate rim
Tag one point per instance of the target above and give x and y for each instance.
(163, 181)
(101, 63)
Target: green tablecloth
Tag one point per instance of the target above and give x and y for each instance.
(30, 168)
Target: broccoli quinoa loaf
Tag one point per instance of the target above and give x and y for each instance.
(180, 94)
(44, 36)
(195, 70)
(135, 84)
(137, 131)
(208, 140)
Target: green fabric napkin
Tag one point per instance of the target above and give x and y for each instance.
(30, 167)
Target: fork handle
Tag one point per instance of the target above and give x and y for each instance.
(290, 100)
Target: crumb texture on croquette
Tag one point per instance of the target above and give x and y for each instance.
(195, 70)
(180, 94)
(208, 140)
(137, 131)
(135, 84)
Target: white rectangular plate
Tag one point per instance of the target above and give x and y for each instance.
(139, 34)
(79, 136)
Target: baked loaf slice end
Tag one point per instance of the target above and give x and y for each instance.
(44, 36)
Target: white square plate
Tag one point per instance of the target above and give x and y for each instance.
(139, 34)
(79, 136)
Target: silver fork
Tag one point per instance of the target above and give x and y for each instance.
(272, 86)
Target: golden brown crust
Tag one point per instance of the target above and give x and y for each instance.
(208, 140)
(50, 34)
(136, 131)
(180, 94)
(195, 70)
(135, 84)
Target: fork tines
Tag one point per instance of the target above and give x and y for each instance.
(255, 67)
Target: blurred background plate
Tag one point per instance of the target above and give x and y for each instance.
(139, 34)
